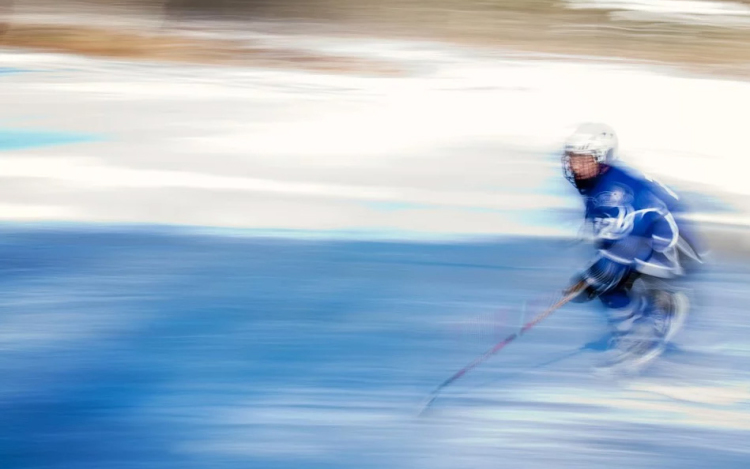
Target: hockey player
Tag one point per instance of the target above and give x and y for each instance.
(640, 238)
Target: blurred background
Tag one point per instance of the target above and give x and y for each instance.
(244, 234)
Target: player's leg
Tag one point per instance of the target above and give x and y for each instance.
(668, 306)
(631, 322)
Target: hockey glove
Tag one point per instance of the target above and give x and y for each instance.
(603, 275)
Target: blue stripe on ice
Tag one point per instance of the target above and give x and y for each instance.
(11, 70)
(19, 139)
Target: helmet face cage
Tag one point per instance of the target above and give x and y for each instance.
(596, 140)
(599, 157)
(567, 170)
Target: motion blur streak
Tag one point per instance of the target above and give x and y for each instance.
(259, 234)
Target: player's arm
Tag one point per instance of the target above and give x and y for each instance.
(626, 242)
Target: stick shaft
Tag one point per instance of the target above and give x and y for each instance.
(573, 292)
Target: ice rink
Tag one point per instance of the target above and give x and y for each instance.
(208, 267)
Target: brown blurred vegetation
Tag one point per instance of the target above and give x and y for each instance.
(530, 25)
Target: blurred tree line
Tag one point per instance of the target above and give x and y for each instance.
(175, 10)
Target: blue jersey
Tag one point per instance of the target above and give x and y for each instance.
(637, 222)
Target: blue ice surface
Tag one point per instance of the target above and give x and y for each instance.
(156, 348)
(20, 139)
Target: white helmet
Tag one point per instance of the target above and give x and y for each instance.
(597, 140)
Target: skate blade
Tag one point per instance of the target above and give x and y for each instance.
(678, 321)
(631, 363)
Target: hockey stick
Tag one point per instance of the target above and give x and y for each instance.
(572, 293)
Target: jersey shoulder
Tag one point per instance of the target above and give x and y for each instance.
(646, 191)
(615, 188)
